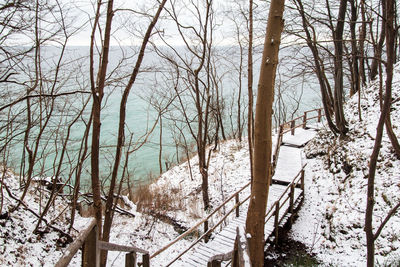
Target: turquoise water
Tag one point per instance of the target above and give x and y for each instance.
(141, 117)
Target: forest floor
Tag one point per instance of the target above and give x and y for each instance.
(329, 229)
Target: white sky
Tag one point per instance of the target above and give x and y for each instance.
(84, 10)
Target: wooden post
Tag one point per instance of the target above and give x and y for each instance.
(214, 263)
(90, 250)
(130, 259)
(235, 253)
(292, 125)
(237, 201)
(302, 180)
(305, 120)
(319, 114)
(276, 222)
(146, 260)
(291, 203)
(207, 237)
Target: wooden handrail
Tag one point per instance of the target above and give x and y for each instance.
(199, 223)
(291, 122)
(74, 247)
(209, 231)
(92, 246)
(239, 255)
(291, 129)
(296, 177)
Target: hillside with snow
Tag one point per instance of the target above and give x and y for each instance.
(330, 223)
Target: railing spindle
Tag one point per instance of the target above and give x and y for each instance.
(207, 237)
(237, 207)
(130, 259)
(146, 260)
(90, 250)
(276, 221)
(319, 114)
(305, 120)
(292, 127)
(291, 203)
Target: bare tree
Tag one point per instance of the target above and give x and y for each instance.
(371, 236)
(196, 87)
(263, 129)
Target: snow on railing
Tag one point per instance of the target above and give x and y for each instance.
(291, 126)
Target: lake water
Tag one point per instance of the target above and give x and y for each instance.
(141, 115)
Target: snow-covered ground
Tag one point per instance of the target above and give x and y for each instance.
(330, 222)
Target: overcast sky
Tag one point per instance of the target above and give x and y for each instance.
(128, 26)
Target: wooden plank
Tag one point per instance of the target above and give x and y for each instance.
(213, 249)
(115, 247)
(200, 257)
(203, 253)
(199, 262)
(190, 262)
(223, 242)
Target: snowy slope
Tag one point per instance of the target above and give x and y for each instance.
(331, 220)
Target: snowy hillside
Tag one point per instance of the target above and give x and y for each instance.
(331, 221)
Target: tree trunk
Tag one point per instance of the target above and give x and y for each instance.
(355, 77)
(390, 32)
(327, 98)
(108, 218)
(97, 94)
(250, 124)
(263, 130)
(378, 48)
(338, 42)
(363, 33)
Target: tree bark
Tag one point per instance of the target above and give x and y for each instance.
(108, 218)
(97, 94)
(327, 99)
(378, 47)
(355, 77)
(250, 116)
(390, 33)
(263, 130)
(338, 42)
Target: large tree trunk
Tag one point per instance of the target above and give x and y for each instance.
(263, 130)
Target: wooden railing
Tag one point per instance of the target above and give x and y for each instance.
(239, 256)
(91, 248)
(273, 212)
(287, 195)
(291, 126)
(207, 233)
